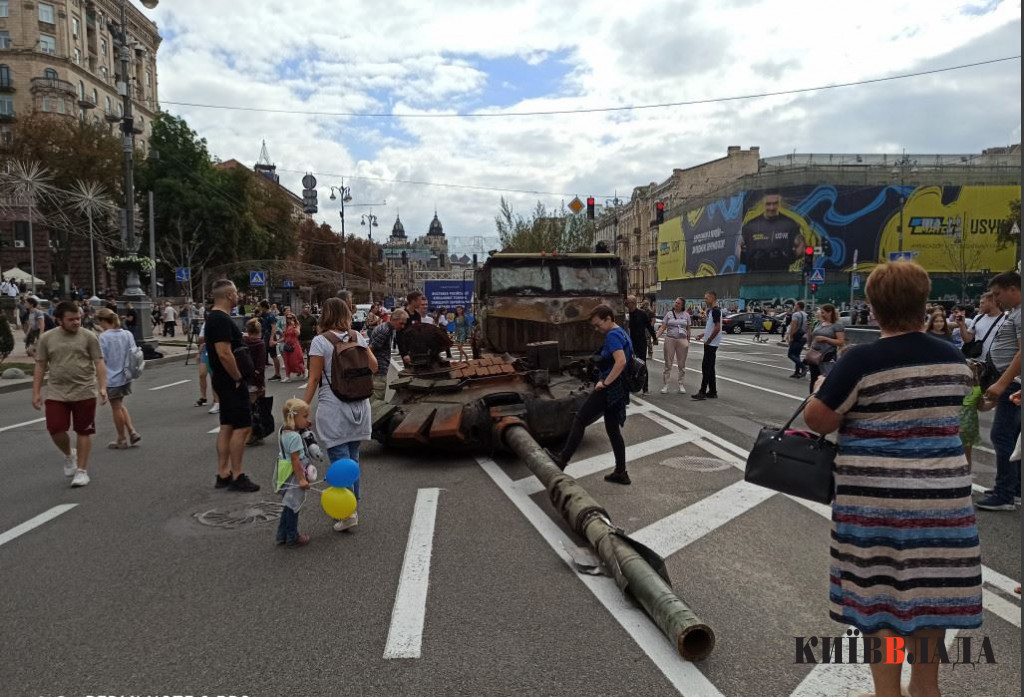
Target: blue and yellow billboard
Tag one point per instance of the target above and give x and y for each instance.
(949, 228)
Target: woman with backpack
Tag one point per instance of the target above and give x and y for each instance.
(610, 395)
(118, 345)
(342, 405)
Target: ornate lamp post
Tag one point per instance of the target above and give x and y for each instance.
(132, 263)
(345, 194)
(370, 221)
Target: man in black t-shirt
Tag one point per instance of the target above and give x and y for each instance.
(771, 241)
(223, 337)
(639, 328)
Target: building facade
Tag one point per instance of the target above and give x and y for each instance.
(408, 263)
(59, 58)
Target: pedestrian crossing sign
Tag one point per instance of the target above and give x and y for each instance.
(257, 278)
(856, 281)
(816, 276)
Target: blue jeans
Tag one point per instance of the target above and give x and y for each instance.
(1005, 427)
(350, 450)
(795, 347)
(288, 528)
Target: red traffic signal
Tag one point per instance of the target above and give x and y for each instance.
(659, 208)
(814, 288)
(809, 251)
(590, 207)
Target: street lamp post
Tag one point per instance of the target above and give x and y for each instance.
(614, 203)
(133, 291)
(345, 194)
(370, 221)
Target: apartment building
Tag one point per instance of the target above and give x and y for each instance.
(59, 57)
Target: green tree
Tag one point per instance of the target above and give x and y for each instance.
(558, 231)
(1004, 239)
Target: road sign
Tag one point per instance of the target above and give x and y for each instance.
(856, 281)
(816, 276)
(257, 279)
(902, 256)
(576, 205)
(1015, 230)
(183, 274)
(287, 283)
(308, 181)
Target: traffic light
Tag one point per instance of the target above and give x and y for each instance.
(808, 259)
(814, 288)
(590, 207)
(659, 208)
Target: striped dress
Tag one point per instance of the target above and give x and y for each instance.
(904, 552)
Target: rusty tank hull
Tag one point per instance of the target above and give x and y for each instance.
(453, 408)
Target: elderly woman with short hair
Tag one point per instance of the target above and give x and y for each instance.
(905, 557)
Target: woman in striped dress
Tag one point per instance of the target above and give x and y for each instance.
(905, 559)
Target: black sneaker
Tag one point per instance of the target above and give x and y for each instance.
(222, 482)
(243, 483)
(699, 396)
(712, 395)
(618, 478)
(274, 377)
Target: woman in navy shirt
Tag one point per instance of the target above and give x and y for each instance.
(609, 397)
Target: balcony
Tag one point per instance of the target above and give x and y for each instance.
(51, 84)
(7, 86)
(6, 118)
(86, 101)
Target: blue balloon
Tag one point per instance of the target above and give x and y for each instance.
(343, 473)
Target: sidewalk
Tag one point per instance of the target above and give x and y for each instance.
(172, 350)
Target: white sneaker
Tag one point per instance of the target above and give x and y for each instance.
(284, 380)
(664, 390)
(81, 478)
(347, 523)
(71, 463)
(682, 390)
(215, 409)
(303, 385)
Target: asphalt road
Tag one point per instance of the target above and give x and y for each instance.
(126, 593)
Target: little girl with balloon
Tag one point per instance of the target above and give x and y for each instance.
(293, 472)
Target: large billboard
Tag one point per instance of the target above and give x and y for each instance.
(948, 228)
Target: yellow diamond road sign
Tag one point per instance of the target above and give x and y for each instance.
(576, 205)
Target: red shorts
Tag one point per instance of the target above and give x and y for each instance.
(60, 414)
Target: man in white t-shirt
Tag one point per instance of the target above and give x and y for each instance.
(797, 339)
(170, 318)
(983, 326)
(712, 338)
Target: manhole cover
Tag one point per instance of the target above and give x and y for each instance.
(246, 514)
(696, 464)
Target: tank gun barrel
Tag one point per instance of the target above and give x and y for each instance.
(637, 570)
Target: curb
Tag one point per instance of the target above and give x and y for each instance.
(6, 387)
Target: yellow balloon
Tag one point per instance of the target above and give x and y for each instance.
(338, 503)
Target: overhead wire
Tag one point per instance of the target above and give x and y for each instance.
(604, 109)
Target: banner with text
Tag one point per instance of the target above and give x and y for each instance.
(449, 294)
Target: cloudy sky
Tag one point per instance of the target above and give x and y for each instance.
(410, 59)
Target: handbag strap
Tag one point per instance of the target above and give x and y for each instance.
(995, 325)
(799, 410)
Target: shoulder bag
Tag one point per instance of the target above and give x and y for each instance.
(798, 463)
(973, 348)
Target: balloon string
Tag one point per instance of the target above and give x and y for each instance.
(319, 491)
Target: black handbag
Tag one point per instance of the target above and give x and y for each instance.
(263, 417)
(973, 348)
(797, 463)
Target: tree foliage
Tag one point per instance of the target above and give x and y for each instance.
(1004, 239)
(544, 231)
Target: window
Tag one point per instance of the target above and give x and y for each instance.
(120, 109)
(103, 47)
(106, 105)
(47, 44)
(21, 233)
(76, 56)
(103, 71)
(76, 27)
(149, 79)
(526, 280)
(95, 96)
(4, 8)
(5, 76)
(46, 13)
(6, 135)
(50, 74)
(5, 39)
(6, 106)
(81, 90)
(61, 106)
(599, 280)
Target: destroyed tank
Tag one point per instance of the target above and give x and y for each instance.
(530, 349)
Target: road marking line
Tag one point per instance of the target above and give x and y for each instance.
(683, 675)
(214, 430)
(405, 637)
(1000, 607)
(983, 449)
(164, 387)
(672, 533)
(745, 384)
(32, 523)
(592, 465)
(829, 679)
(23, 423)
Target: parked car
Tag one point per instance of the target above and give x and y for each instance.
(744, 322)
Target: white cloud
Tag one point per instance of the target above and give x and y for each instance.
(413, 57)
